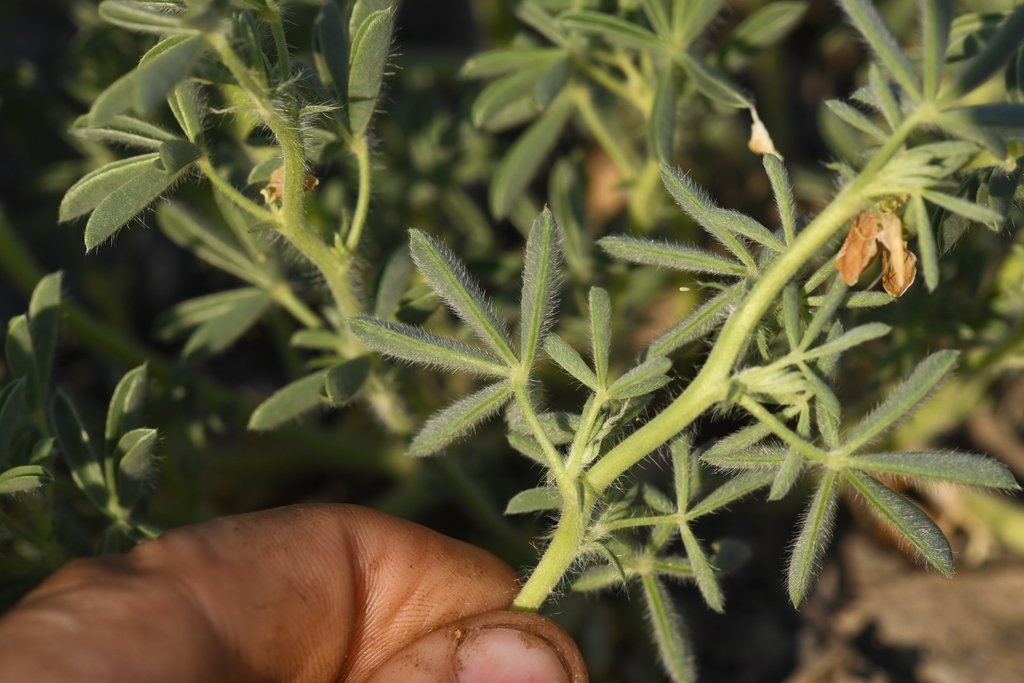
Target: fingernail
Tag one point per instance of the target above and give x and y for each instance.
(507, 655)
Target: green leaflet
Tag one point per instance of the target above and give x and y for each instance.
(908, 519)
(691, 18)
(669, 631)
(136, 16)
(20, 355)
(643, 379)
(703, 572)
(565, 193)
(735, 488)
(662, 127)
(76, 447)
(123, 130)
(124, 412)
(787, 475)
(540, 285)
(611, 28)
(344, 380)
(847, 340)
(191, 232)
(961, 468)
(185, 103)
(43, 318)
(507, 101)
(95, 186)
(146, 86)
(519, 166)
(570, 360)
(23, 478)
(927, 376)
(767, 25)
(136, 464)
(460, 418)
(419, 346)
(448, 277)
(936, 20)
(600, 307)
(696, 325)
(13, 408)
(125, 202)
(853, 117)
(290, 402)
(536, 499)
(219, 319)
(370, 45)
(997, 51)
(711, 83)
(782, 190)
(504, 61)
(815, 532)
(724, 225)
(865, 17)
(331, 50)
(666, 255)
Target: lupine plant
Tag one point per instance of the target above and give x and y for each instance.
(252, 141)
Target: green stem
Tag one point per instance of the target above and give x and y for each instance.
(558, 556)
(281, 45)
(291, 220)
(232, 193)
(362, 153)
(561, 475)
(284, 295)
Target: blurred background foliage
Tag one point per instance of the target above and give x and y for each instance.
(432, 169)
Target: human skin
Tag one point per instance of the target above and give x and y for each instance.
(303, 594)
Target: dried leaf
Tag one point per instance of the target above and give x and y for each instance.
(760, 140)
(274, 191)
(860, 247)
(899, 265)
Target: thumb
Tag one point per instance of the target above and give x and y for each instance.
(495, 647)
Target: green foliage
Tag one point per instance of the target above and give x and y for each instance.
(256, 134)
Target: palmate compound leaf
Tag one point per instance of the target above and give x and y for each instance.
(460, 418)
(906, 518)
